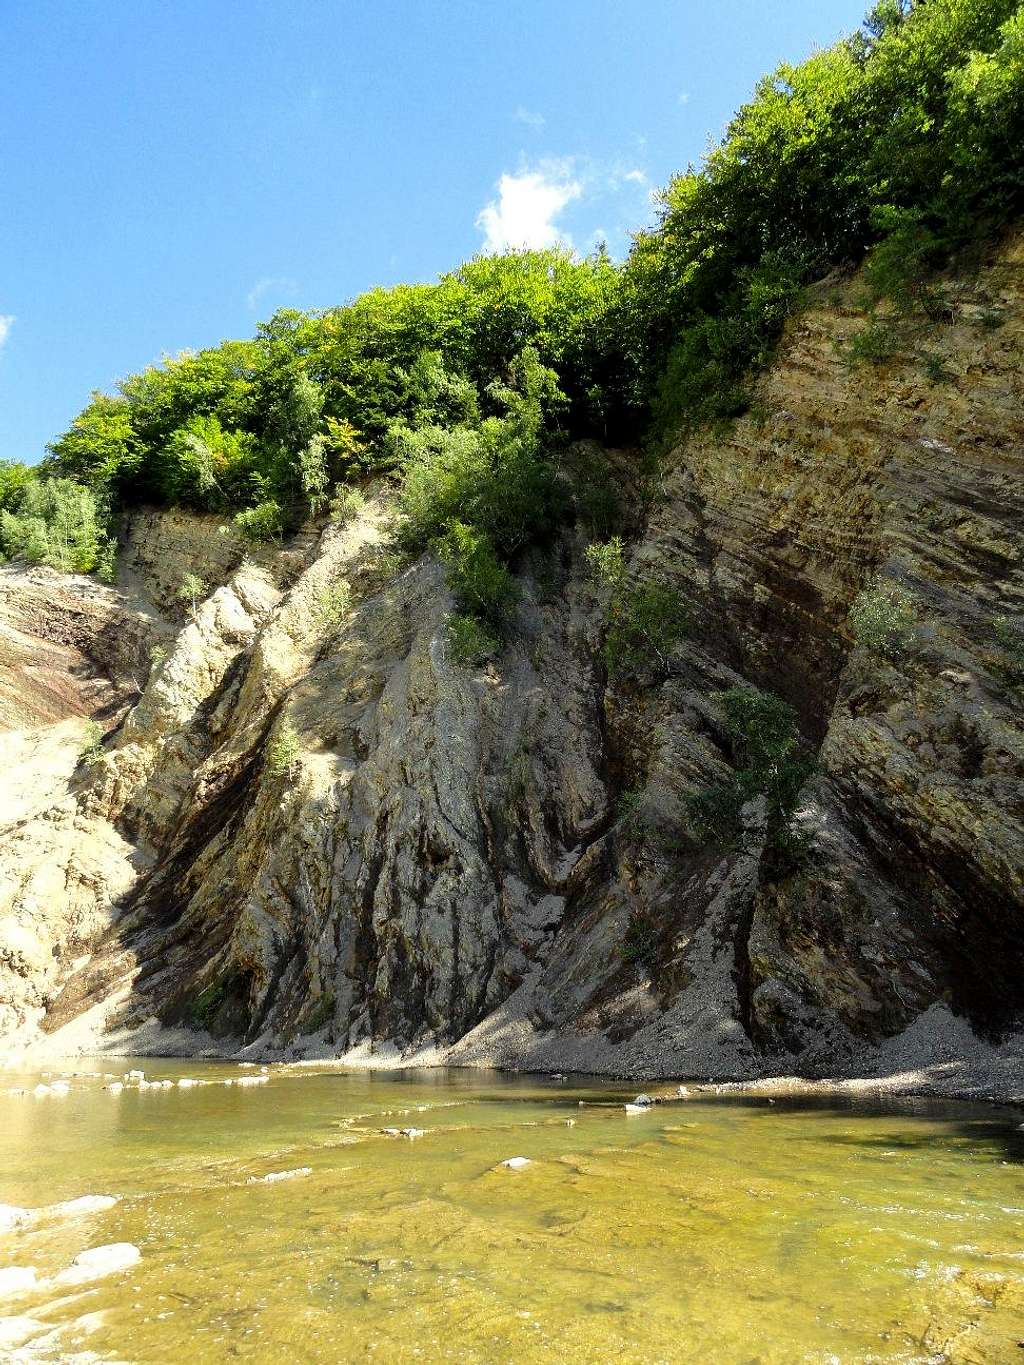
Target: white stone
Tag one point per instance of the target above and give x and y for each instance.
(115, 1087)
(99, 1261)
(11, 1216)
(135, 1077)
(85, 1203)
(14, 1332)
(632, 1109)
(15, 1279)
(515, 1163)
(275, 1176)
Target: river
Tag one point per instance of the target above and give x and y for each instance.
(719, 1229)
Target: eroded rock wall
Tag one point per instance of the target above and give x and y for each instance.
(316, 830)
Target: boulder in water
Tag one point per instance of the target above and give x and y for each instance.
(15, 1279)
(96, 1262)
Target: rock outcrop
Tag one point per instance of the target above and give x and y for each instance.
(310, 828)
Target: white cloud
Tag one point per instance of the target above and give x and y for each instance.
(524, 213)
(280, 285)
(637, 177)
(684, 97)
(530, 117)
(6, 323)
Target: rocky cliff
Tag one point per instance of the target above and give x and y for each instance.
(309, 830)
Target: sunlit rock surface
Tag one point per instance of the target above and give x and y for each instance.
(443, 870)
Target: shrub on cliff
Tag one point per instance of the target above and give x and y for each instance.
(59, 523)
(770, 763)
(882, 619)
(644, 620)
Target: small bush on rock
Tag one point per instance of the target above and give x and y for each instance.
(283, 751)
(882, 620)
(471, 642)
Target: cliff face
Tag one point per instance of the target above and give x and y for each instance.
(310, 827)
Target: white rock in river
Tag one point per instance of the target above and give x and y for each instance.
(275, 1176)
(60, 1088)
(99, 1261)
(136, 1077)
(85, 1203)
(15, 1279)
(14, 1332)
(515, 1163)
(252, 1080)
(41, 1089)
(115, 1087)
(636, 1108)
(413, 1132)
(683, 1093)
(186, 1082)
(11, 1216)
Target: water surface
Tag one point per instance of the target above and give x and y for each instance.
(713, 1230)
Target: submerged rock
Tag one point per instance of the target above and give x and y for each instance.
(96, 1262)
(12, 1216)
(275, 1176)
(85, 1203)
(16, 1279)
(15, 1332)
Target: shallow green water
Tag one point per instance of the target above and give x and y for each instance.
(724, 1231)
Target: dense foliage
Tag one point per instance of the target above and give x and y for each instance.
(901, 142)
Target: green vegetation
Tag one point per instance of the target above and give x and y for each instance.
(92, 744)
(191, 591)
(471, 642)
(645, 620)
(640, 941)
(283, 751)
(1010, 639)
(206, 1006)
(331, 602)
(53, 521)
(883, 618)
(770, 763)
(899, 145)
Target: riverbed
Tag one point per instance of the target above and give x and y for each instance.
(311, 1215)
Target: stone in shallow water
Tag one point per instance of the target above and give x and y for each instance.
(96, 1262)
(86, 1203)
(11, 1216)
(14, 1332)
(275, 1176)
(15, 1279)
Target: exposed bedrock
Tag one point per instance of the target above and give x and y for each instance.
(312, 828)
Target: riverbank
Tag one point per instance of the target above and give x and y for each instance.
(938, 1055)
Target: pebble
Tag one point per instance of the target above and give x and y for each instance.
(99, 1261)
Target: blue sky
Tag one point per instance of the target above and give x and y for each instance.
(173, 172)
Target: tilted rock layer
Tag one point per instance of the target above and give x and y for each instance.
(311, 829)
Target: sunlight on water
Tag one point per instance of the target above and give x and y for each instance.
(708, 1230)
